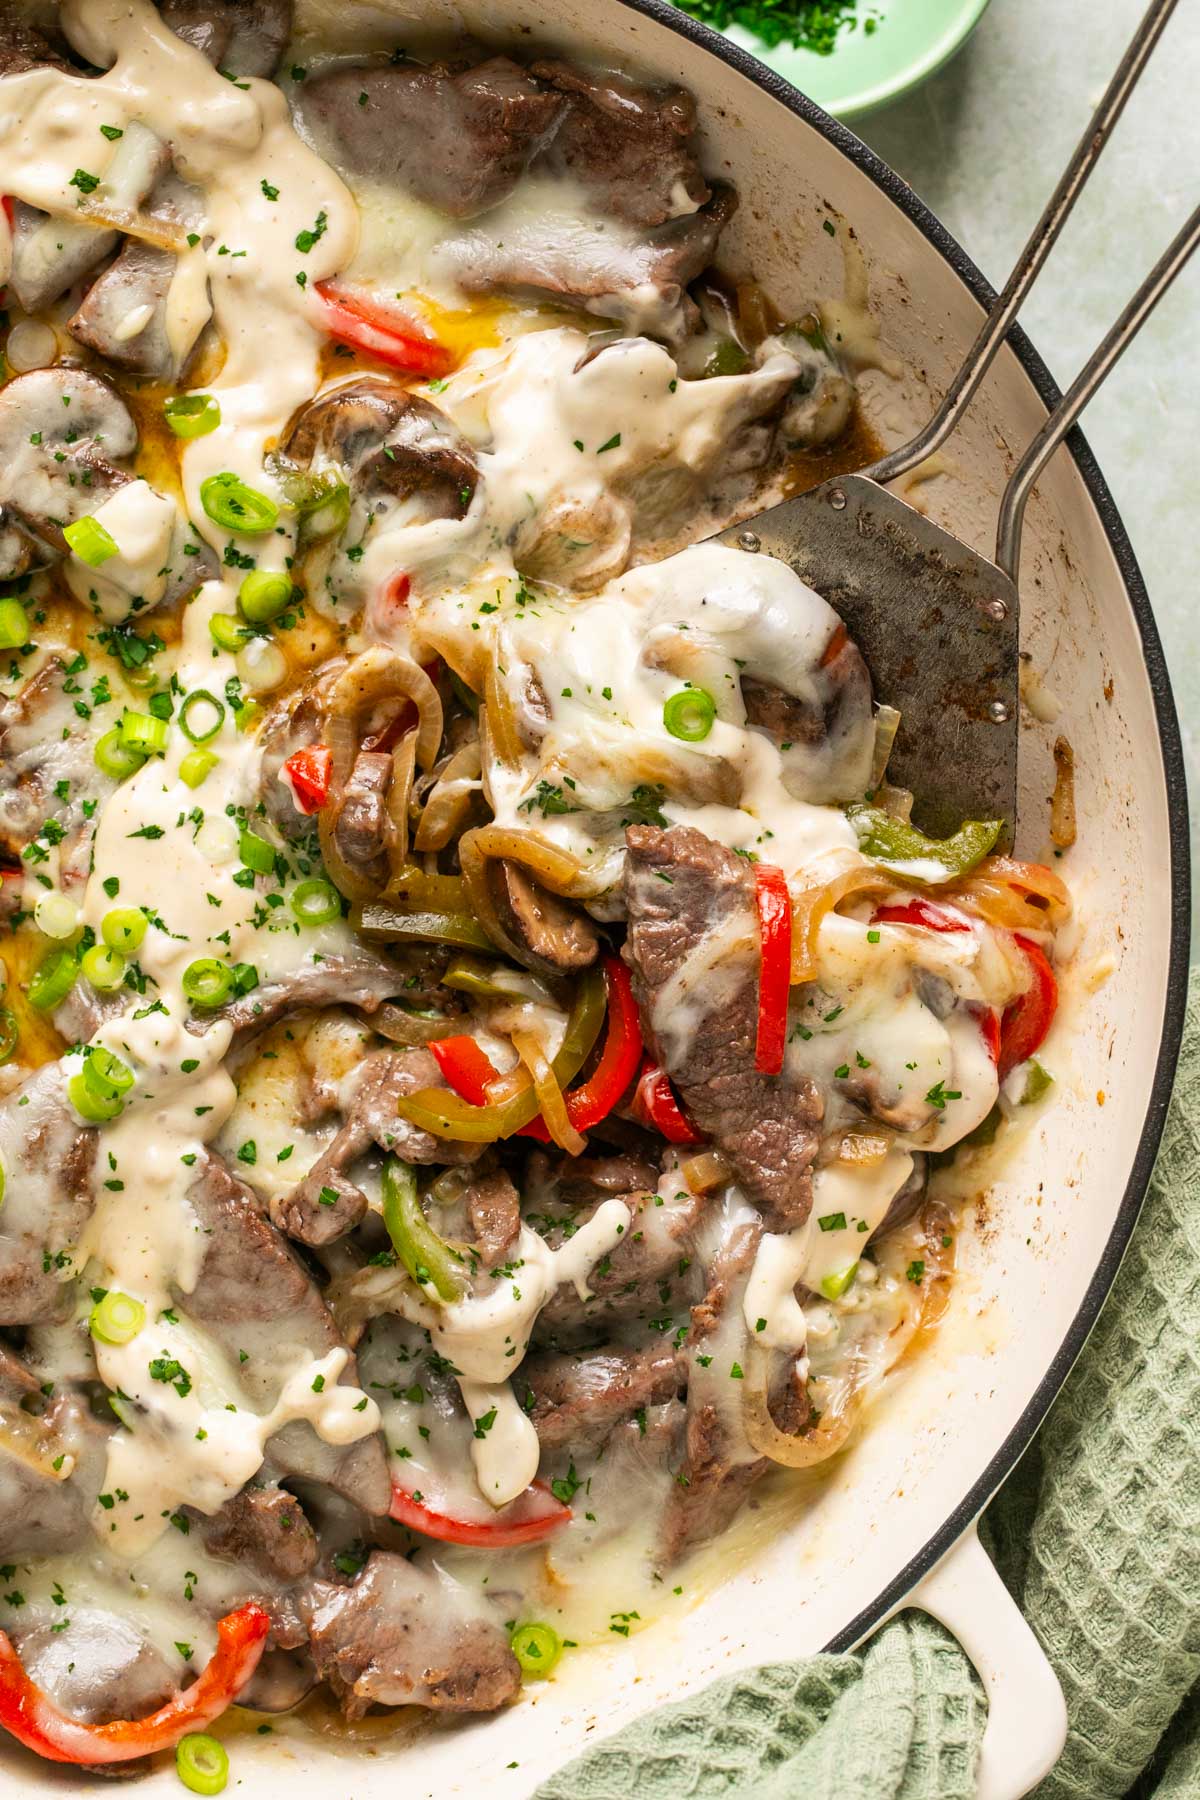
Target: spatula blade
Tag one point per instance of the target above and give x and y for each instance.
(938, 626)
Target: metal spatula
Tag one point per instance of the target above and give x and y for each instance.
(937, 623)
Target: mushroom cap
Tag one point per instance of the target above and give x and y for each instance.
(386, 441)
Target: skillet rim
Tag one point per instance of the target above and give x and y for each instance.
(1018, 1439)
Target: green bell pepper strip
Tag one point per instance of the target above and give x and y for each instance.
(427, 1257)
(388, 924)
(890, 841)
(447, 1115)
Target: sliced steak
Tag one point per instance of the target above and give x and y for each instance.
(631, 148)
(833, 714)
(43, 745)
(575, 1401)
(48, 1156)
(685, 899)
(458, 140)
(360, 976)
(553, 930)
(294, 723)
(493, 1209)
(123, 316)
(402, 1636)
(44, 1509)
(327, 1204)
(638, 280)
(243, 37)
(650, 1274)
(254, 1297)
(265, 1528)
(22, 46)
(361, 829)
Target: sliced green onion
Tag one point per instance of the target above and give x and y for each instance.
(10, 1034)
(143, 733)
(117, 1318)
(256, 853)
(207, 982)
(227, 631)
(229, 502)
(56, 916)
(196, 767)
(103, 967)
(689, 714)
(53, 980)
(264, 594)
(315, 902)
(537, 1648)
(123, 929)
(106, 1074)
(95, 1108)
(202, 715)
(325, 510)
(202, 1763)
(245, 715)
(114, 757)
(14, 625)
(192, 415)
(123, 1411)
(834, 1286)
(1038, 1081)
(91, 543)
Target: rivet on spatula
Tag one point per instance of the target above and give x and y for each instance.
(997, 712)
(997, 609)
(749, 540)
(837, 500)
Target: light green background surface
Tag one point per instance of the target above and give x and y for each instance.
(983, 142)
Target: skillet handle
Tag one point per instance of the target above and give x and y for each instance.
(1027, 1715)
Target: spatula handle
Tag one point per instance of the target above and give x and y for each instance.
(1032, 258)
(1090, 377)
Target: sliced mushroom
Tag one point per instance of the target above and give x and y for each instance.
(243, 37)
(387, 442)
(549, 926)
(61, 433)
(577, 541)
(361, 829)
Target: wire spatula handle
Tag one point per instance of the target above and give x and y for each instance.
(1029, 265)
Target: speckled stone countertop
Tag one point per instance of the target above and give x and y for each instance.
(983, 143)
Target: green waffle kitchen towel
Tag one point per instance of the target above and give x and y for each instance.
(1097, 1534)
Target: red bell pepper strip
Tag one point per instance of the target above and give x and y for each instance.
(990, 1021)
(310, 771)
(1026, 1022)
(532, 1516)
(774, 905)
(355, 319)
(34, 1720)
(921, 912)
(655, 1105)
(467, 1068)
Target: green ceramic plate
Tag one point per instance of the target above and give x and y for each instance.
(911, 39)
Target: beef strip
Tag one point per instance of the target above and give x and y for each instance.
(264, 1527)
(583, 1178)
(361, 977)
(458, 140)
(133, 291)
(23, 47)
(842, 694)
(362, 823)
(307, 1212)
(42, 745)
(253, 1295)
(575, 1401)
(650, 1273)
(680, 886)
(243, 37)
(631, 148)
(48, 1156)
(493, 1209)
(557, 933)
(638, 281)
(401, 1636)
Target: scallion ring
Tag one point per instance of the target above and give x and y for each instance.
(689, 714)
(116, 1318)
(114, 757)
(256, 852)
(196, 767)
(537, 1648)
(103, 967)
(264, 594)
(192, 415)
(14, 624)
(90, 542)
(202, 1763)
(106, 1074)
(316, 902)
(123, 929)
(96, 1108)
(201, 716)
(230, 503)
(207, 982)
(227, 632)
(144, 734)
(53, 980)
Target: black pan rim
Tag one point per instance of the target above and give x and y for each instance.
(1017, 1441)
